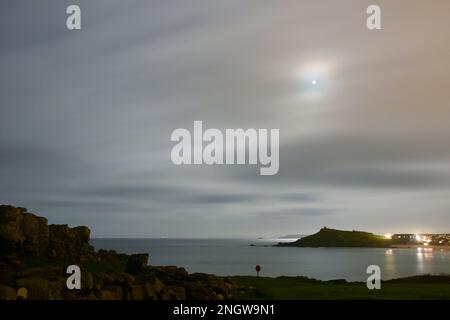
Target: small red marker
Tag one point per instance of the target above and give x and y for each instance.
(258, 269)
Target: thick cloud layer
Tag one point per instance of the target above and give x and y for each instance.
(86, 116)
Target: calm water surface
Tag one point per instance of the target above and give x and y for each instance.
(237, 257)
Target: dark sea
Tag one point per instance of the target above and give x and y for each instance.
(238, 257)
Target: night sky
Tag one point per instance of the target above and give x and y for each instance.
(86, 116)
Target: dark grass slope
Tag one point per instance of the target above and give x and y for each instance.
(424, 287)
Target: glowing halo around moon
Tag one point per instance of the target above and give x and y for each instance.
(314, 79)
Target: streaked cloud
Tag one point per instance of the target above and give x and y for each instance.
(86, 116)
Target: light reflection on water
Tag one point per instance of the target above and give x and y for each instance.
(237, 257)
(390, 262)
(423, 254)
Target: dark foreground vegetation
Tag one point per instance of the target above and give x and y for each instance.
(301, 288)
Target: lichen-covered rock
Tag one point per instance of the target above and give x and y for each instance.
(125, 278)
(206, 286)
(69, 243)
(22, 233)
(173, 293)
(110, 293)
(219, 296)
(138, 292)
(38, 288)
(25, 235)
(90, 296)
(169, 273)
(105, 278)
(87, 281)
(11, 221)
(22, 294)
(70, 295)
(42, 272)
(153, 288)
(137, 263)
(112, 256)
(42, 289)
(7, 293)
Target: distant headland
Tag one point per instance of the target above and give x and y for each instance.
(327, 237)
(337, 238)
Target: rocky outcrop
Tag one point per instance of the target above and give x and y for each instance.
(137, 263)
(69, 243)
(26, 239)
(152, 284)
(7, 293)
(22, 233)
(26, 235)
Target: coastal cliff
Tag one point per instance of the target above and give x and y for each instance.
(34, 256)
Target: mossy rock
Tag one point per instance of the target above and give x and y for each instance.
(7, 293)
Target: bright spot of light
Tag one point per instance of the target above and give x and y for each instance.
(388, 236)
(314, 78)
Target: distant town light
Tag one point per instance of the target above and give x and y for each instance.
(388, 236)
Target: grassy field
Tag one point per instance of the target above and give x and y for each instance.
(300, 288)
